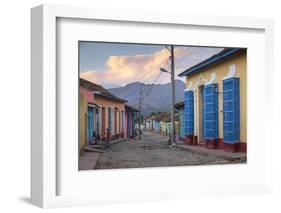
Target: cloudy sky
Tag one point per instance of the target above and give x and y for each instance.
(115, 64)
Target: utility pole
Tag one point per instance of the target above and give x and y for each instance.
(173, 139)
(172, 73)
(140, 113)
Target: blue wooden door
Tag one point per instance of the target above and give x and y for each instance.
(90, 123)
(210, 117)
(231, 111)
(188, 112)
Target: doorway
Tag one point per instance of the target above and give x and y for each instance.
(90, 128)
(201, 113)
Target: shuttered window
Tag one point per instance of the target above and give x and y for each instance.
(231, 110)
(210, 109)
(109, 119)
(90, 123)
(133, 124)
(188, 112)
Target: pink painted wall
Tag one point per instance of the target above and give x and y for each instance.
(125, 126)
(88, 94)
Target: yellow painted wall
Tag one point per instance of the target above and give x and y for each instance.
(221, 69)
(83, 120)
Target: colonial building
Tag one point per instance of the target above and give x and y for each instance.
(215, 101)
(105, 118)
(131, 115)
(83, 120)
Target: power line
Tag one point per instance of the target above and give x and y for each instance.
(157, 66)
(158, 77)
(146, 74)
(191, 53)
(154, 68)
(148, 91)
(180, 65)
(153, 83)
(150, 87)
(183, 53)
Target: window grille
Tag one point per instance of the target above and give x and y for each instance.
(189, 112)
(210, 109)
(231, 110)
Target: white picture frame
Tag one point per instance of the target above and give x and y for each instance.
(46, 176)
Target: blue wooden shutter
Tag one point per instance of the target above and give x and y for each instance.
(210, 109)
(90, 123)
(231, 111)
(189, 112)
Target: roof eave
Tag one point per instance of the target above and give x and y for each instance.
(111, 98)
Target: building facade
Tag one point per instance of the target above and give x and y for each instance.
(83, 107)
(102, 115)
(131, 115)
(161, 123)
(180, 111)
(215, 101)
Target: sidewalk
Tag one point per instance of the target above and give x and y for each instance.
(217, 152)
(117, 140)
(88, 160)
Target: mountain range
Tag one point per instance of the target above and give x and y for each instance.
(155, 98)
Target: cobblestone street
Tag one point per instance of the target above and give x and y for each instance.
(153, 150)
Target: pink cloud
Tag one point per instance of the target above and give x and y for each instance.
(125, 69)
(122, 70)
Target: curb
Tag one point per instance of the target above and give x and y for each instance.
(206, 153)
